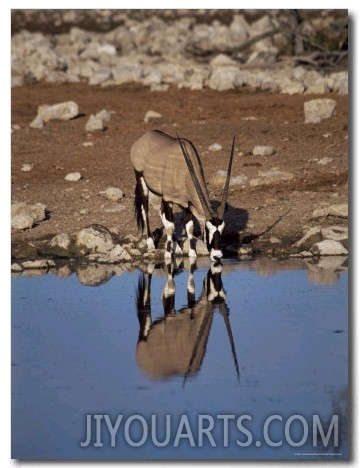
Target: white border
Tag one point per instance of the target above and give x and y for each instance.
(356, 14)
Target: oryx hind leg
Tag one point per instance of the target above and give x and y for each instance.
(141, 207)
(166, 214)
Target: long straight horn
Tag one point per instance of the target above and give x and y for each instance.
(221, 209)
(206, 207)
(225, 314)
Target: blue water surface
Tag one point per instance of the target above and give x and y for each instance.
(74, 354)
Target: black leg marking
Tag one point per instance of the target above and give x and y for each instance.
(167, 219)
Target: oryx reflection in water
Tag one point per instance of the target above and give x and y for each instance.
(175, 344)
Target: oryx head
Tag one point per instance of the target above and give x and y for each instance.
(215, 224)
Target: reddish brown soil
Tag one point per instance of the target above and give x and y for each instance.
(204, 117)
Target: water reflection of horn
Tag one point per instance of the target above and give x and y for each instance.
(216, 300)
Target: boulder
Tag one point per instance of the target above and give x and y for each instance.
(94, 239)
(328, 247)
(25, 215)
(317, 110)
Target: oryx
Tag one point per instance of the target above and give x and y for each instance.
(171, 169)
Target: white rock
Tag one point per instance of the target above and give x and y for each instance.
(73, 177)
(275, 240)
(38, 264)
(152, 115)
(62, 111)
(223, 78)
(94, 239)
(222, 60)
(338, 209)
(289, 86)
(112, 193)
(24, 215)
(26, 167)
(239, 180)
(312, 236)
(16, 267)
(338, 233)
(119, 254)
(215, 147)
(324, 161)
(127, 73)
(98, 121)
(62, 240)
(108, 49)
(263, 150)
(21, 222)
(100, 76)
(317, 110)
(38, 122)
(270, 177)
(93, 124)
(153, 76)
(328, 247)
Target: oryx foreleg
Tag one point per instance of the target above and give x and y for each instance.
(189, 232)
(166, 214)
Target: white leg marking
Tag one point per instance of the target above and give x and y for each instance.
(169, 227)
(189, 229)
(145, 187)
(191, 284)
(169, 288)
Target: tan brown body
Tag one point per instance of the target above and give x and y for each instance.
(159, 157)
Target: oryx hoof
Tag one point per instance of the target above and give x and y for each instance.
(192, 253)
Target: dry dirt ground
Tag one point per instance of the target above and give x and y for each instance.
(204, 117)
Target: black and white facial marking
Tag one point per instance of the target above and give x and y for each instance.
(215, 292)
(213, 231)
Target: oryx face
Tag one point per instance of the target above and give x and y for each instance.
(213, 232)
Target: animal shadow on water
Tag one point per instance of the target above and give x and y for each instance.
(174, 345)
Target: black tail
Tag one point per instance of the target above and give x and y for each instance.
(139, 201)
